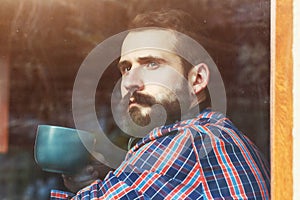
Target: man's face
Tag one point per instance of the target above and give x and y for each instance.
(152, 74)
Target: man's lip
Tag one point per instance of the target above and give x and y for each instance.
(135, 104)
(132, 104)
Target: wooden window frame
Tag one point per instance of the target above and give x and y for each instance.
(281, 99)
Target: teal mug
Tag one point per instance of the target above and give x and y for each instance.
(62, 150)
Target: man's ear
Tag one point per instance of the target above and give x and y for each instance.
(198, 77)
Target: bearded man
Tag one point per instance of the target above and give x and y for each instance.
(196, 153)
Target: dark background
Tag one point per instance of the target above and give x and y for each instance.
(45, 43)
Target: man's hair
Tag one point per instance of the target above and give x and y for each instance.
(177, 20)
(181, 22)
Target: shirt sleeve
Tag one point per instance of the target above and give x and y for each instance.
(57, 195)
(130, 185)
(158, 169)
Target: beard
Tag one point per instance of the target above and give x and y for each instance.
(143, 110)
(138, 113)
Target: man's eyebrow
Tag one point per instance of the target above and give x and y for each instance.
(142, 60)
(123, 63)
(151, 58)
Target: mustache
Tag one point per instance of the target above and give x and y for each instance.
(139, 98)
(142, 99)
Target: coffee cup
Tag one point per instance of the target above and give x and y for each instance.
(62, 150)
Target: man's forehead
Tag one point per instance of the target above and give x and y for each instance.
(149, 39)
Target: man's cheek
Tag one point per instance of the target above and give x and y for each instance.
(123, 91)
(165, 95)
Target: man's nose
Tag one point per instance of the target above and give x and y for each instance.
(133, 80)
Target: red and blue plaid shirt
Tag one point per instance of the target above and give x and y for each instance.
(201, 158)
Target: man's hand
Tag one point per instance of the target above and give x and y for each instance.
(85, 176)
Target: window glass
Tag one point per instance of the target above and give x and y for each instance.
(45, 43)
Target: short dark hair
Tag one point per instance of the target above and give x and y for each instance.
(177, 20)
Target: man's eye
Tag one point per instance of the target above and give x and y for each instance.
(152, 65)
(125, 69)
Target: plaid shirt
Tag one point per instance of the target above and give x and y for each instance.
(201, 158)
